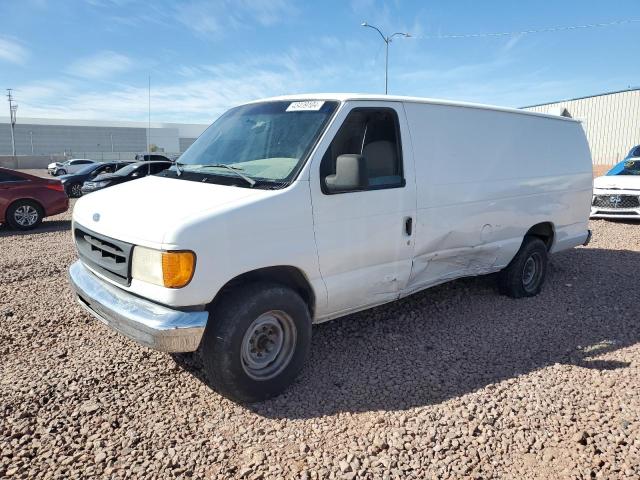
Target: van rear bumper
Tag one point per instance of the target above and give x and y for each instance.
(148, 323)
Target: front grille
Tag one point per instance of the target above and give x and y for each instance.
(609, 212)
(616, 201)
(110, 257)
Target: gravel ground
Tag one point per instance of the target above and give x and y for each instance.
(454, 382)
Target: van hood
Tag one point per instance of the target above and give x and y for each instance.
(621, 182)
(146, 210)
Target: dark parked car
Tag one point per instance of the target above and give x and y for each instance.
(73, 181)
(633, 153)
(150, 157)
(26, 199)
(130, 172)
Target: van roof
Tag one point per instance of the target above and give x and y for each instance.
(343, 97)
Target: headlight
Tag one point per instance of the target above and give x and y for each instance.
(171, 269)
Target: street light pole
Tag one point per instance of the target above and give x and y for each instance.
(386, 67)
(387, 40)
(12, 118)
(31, 139)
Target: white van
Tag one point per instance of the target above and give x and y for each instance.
(296, 210)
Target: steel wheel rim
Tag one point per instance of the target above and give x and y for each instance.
(76, 190)
(25, 215)
(531, 270)
(268, 345)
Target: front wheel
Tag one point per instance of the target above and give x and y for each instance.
(60, 172)
(524, 276)
(256, 341)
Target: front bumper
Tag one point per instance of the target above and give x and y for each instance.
(148, 323)
(616, 211)
(84, 189)
(619, 213)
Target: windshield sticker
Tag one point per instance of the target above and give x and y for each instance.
(307, 106)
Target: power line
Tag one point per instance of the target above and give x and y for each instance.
(528, 32)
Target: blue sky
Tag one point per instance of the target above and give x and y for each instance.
(91, 58)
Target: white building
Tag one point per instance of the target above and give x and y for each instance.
(94, 138)
(611, 121)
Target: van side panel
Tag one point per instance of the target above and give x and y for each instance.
(484, 177)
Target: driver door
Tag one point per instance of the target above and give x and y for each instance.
(365, 237)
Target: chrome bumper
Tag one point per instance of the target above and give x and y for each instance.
(148, 323)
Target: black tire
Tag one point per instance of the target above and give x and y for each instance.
(524, 276)
(75, 190)
(60, 172)
(24, 215)
(227, 345)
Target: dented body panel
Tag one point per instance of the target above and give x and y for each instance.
(484, 179)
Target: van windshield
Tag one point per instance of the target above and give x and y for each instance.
(264, 141)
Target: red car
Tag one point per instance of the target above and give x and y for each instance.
(26, 199)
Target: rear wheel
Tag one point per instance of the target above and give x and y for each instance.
(524, 276)
(256, 342)
(76, 190)
(24, 215)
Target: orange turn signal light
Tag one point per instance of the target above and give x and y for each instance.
(178, 268)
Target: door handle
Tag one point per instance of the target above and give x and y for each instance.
(408, 226)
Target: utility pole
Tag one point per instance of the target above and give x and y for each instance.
(12, 115)
(387, 40)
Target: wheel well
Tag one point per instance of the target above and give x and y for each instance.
(544, 231)
(288, 276)
(26, 200)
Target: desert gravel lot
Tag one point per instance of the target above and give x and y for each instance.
(454, 382)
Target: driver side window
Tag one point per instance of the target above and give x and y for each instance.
(374, 135)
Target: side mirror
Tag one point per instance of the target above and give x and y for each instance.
(351, 174)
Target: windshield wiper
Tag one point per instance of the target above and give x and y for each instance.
(246, 178)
